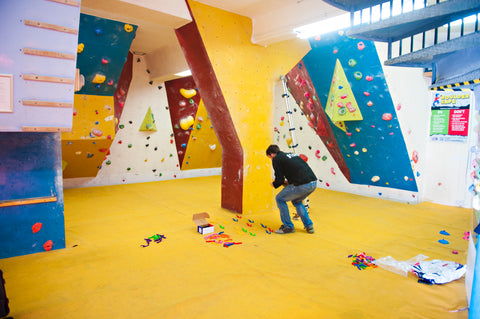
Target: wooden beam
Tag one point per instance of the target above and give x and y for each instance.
(49, 54)
(43, 78)
(27, 201)
(45, 129)
(49, 26)
(73, 3)
(46, 103)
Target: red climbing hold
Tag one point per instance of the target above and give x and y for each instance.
(48, 245)
(36, 227)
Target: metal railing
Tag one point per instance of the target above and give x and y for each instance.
(429, 38)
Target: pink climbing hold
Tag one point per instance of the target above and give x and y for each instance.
(369, 78)
(307, 95)
(317, 154)
(352, 145)
(332, 170)
(386, 116)
(366, 93)
(360, 46)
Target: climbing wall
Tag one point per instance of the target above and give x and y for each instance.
(37, 75)
(236, 80)
(360, 135)
(31, 194)
(102, 55)
(195, 140)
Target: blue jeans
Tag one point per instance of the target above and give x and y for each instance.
(296, 194)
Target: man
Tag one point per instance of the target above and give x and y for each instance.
(291, 170)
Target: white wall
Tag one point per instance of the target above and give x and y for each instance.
(141, 159)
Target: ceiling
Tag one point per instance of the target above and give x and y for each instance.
(272, 20)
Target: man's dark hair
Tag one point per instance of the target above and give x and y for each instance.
(273, 149)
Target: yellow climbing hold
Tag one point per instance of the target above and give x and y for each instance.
(186, 122)
(80, 47)
(99, 78)
(128, 27)
(188, 93)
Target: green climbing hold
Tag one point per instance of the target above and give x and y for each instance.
(121, 126)
(324, 158)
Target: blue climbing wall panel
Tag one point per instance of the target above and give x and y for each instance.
(103, 50)
(383, 152)
(30, 167)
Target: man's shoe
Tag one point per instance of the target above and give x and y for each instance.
(310, 229)
(284, 230)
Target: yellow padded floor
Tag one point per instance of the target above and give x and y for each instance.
(105, 273)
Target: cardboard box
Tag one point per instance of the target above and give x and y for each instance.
(203, 226)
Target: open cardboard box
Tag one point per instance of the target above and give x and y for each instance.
(203, 226)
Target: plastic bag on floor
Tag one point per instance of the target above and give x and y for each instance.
(438, 271)
(399, 267)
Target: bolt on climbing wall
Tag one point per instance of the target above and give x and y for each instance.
(101, 55)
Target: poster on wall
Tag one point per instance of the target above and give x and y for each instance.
(449, 116)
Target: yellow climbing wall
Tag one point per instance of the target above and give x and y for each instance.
(203, 148)
(93, 130)
(247, 74)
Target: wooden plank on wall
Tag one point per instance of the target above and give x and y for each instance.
(49, 54)
(49, 26)
(28, 201)
(73, 3)
(45, 129)
(43, 78)
(47, 103)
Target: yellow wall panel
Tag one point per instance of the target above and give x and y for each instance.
(93, 130)
(247, 74)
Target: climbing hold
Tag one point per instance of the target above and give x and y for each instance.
(332, 170)
(36, 227)
(183, 145)
(415, 157)
(369, 78)
(358, 75)
(317, 154)
(98, 31)
(352, 145)
(443, 241)
(99, 78)
(364, 150)
(352, 62)
(443, 232)
(129, 145)
(48, 245)
(370, 103)
(80, 47)
(360, 46)
(96, 132)
(324, 158)
(199, 126)
(108, 162)
(366, 93)
(386, 116)
(128, 27)
(104, 61)
(188, 93)
(375, 179)
(304, 157)
(187, 122)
